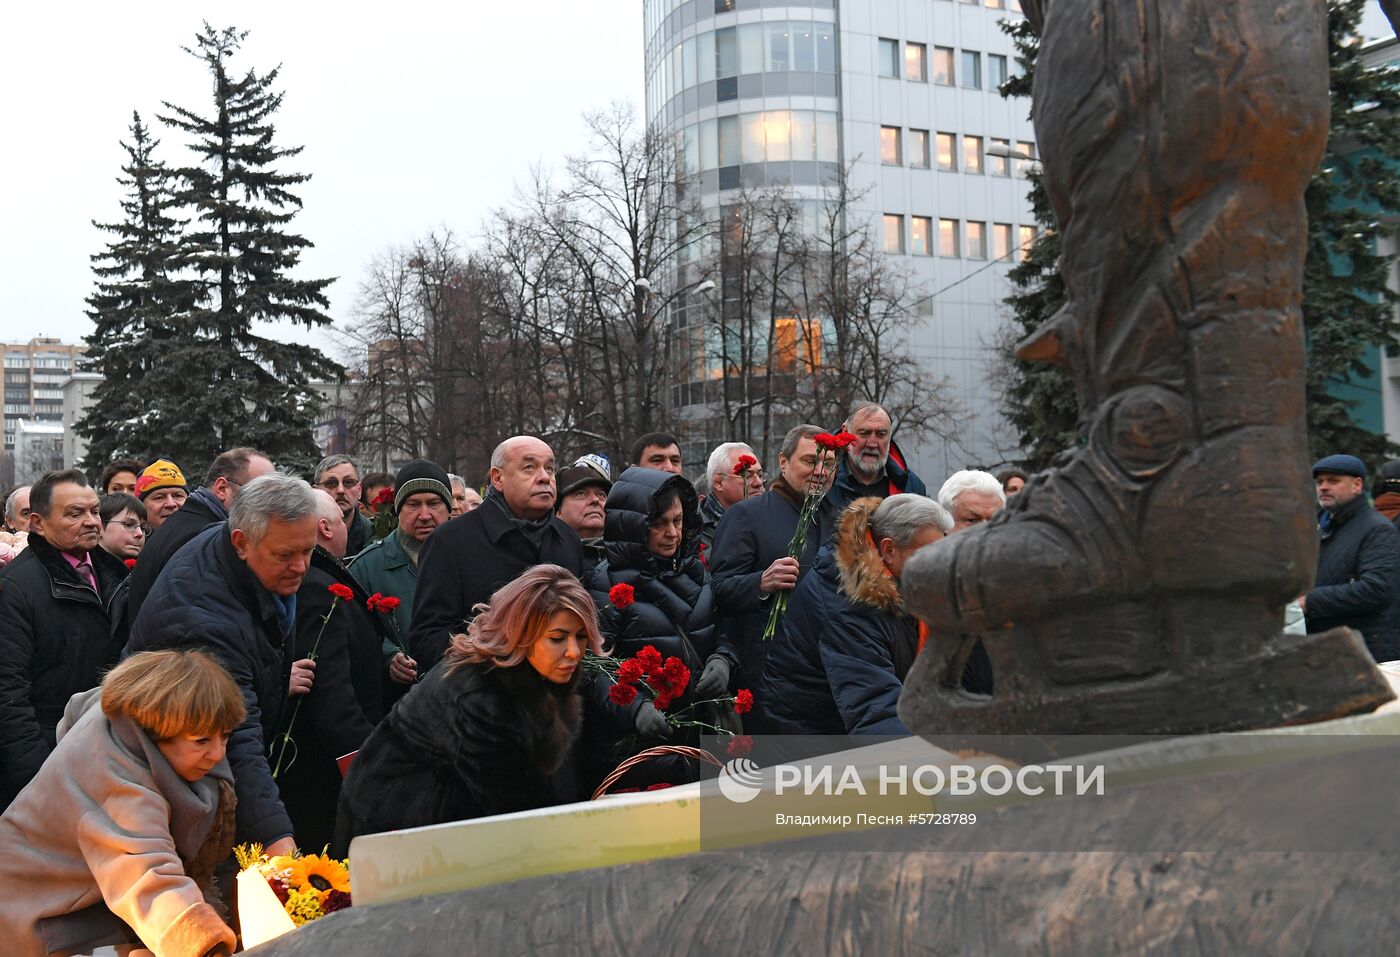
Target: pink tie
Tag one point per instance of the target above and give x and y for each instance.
(84, 568)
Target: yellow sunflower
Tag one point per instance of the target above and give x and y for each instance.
(319, 874)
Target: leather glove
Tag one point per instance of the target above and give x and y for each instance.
(652, 723)
(714, 680)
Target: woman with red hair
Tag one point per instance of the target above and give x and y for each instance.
(489, 728)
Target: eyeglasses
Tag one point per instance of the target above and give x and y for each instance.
(330, 484)
(133, 526)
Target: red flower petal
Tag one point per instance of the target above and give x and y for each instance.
(621, 595)
(344, 592)
(622, 695)
(739, 746)
(743, 701)
(129, 563)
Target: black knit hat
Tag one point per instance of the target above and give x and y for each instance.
(420, 475)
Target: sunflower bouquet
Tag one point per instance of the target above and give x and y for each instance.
(277, 894)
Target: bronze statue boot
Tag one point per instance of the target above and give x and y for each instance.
(1138, 585)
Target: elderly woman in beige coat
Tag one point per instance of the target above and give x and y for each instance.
(115, 841)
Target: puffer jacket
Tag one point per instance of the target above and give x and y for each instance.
(674, 607)
(839, 658)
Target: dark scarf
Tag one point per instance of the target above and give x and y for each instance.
(783, 489)
(211, 501)
(533, 530)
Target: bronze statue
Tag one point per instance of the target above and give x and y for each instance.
(1138, 585)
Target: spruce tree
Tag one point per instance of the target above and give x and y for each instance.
(254, 390)
(1038, 399)
(135, 310)
(1348, 310)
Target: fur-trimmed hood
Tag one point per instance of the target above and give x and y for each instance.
(864, 578)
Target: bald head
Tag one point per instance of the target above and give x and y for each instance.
(522, 470)
(331, 531)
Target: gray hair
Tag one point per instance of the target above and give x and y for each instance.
(864, 406)
(10, 501)
(969, 480)
(272, 497)
(901, 517)
(720, 458)
(456, 480)
(795, 435)
(333, 461)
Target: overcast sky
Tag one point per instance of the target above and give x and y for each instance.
(413, 116)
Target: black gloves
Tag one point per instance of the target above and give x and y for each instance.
(714, 680)
(652, 723)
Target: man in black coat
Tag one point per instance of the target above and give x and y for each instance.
(467, 559)
(207, 505)
(1358, 564)
(339, 476)
(56, 631)
(749, 561)
(838, 663)
(232, 590)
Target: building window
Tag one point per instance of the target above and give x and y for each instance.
(999, 157)
(726, 53)
(920, 228)
(826, 48)
(778, 50)
(889, 58)
(1026, 157)
(889, 146)
(972, 70)
(996, 71)
(947, 143)
(943, 66)
(948, 238)
(1026, 237)
(997, 4)
(976, 240)
(915, 67)
(972, 154)
(728, 141)
(894, 233)
(918, 149)
(1001, 240)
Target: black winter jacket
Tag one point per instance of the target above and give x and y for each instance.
(57, 636)
(357, 534)
(897, 478)
(673, 607)
(1358, 578)
(466, 560)
(331, 720)
(752, 535)
(479, 741)
(838, 662)
(200, 511)
(210, 599)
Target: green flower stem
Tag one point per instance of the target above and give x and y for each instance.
(286, 736)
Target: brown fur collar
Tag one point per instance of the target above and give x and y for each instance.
(864, 579)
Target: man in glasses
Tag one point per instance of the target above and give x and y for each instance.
(206, 505)
(340, 476)
(724, 486)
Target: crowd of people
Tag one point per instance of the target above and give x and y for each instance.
(226, 650)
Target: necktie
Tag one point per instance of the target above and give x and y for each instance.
(84, 569)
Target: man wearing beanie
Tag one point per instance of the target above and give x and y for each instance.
(583, 496)
(161, 488)
(473, 555)
(1358, 564)
(422, 502)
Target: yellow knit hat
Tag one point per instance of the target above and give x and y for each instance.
(162, 473)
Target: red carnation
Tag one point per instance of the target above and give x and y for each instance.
(385, 497)
(739, 746)
(388, 603)
(825, 440)
(844, 439)
(677, 675)
(743, 701)
(344, 592)
(279, 887)
(335, 900)
(745, 463)
(659, 786)
(130, 563)
(622, 695)
(631, 671)
(650, 659)
(663, 700)
(622, 595)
